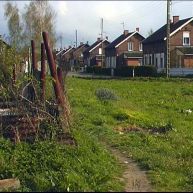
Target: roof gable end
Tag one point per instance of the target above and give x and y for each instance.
(126, 39)
(97, 45)
(183, 25)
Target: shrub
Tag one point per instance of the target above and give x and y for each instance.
(106, 94)
(124, 71)
(189, 76)
(127, 71)
(162, 128)
(101, 71)
(145, 71)
(120, 116)
(89, 69)
(98, 70)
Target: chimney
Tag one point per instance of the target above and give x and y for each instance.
(175, 19)
(81, 43)
(98, 39)
(137, 29)
(69, 47)
(126, 32)
(106, 37)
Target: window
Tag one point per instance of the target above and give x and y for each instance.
(186, 38)
(100, 51)
(140, 46)
(161, 62)
(111, 62)
(150, 60)
(114, 62)
(130, 46)
(156, 62)
(145, 60)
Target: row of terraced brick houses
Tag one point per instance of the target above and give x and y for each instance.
(132, 49)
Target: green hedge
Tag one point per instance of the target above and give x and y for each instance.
(125, 71)
(89, 69)
(144, 71)
(98, 70)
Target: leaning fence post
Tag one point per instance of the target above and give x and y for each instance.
(57, 87)
(43, 72)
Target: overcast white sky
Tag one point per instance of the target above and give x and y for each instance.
(85, 16)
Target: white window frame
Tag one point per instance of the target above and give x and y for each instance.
(140, 46)
(130, 46)
(186, 34)
(100, 51)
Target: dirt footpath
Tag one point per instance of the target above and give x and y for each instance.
(135, 178)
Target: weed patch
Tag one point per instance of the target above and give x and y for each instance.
(120, 116)
(161, 128)
(105, 94)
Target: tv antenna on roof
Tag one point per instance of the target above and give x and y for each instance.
(123, 24)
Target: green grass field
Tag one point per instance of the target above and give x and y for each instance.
(163, 140)
(151, 121)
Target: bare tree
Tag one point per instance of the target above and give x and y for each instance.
(14, 24)
(39, 17)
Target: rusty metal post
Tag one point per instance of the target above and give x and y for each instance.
(34, 64)
(60, 77)
(14, 74)
(43, 72)
(52, 66)
(57, 87)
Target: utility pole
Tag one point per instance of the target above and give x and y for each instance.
(61, 41)
(76, 38)
(168, 38)
(102, 42)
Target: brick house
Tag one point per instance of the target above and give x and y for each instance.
(78, 54)
(95, 54)
(181, 45)
(59, 52)
(126, 50)
(67, 56)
